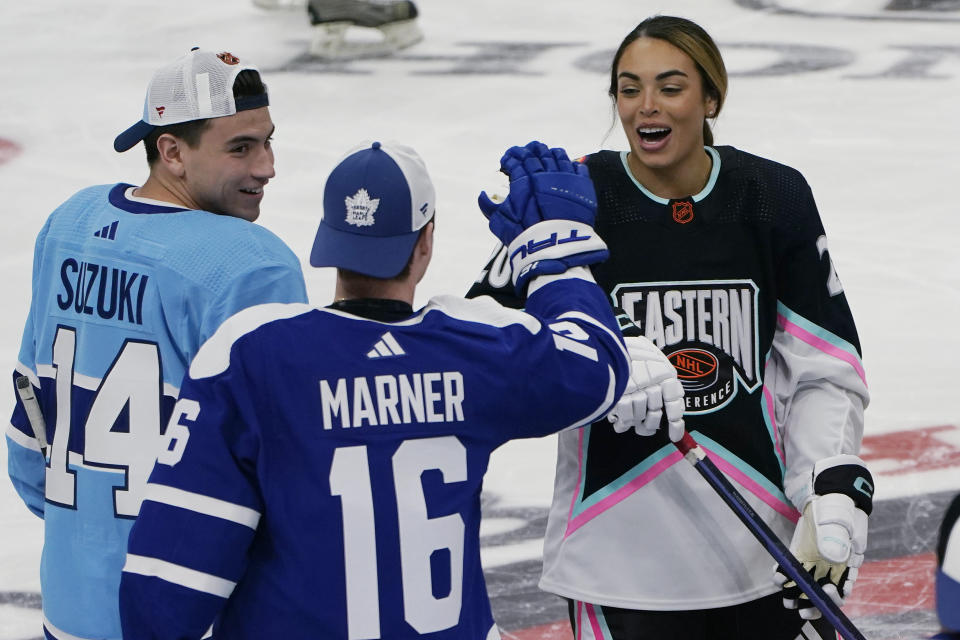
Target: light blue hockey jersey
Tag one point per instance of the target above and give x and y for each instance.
(124, 293)
(324, 470)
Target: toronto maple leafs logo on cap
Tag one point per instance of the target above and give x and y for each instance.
(374, 236)
(360, 208)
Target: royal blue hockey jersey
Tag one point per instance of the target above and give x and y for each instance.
(124, 292)
(323, 473)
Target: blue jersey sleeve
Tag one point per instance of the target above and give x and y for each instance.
(26, 469)
(572, 371)
(199, 516)
(202, 505)
(25, 464)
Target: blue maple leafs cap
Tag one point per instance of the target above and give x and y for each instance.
(375, 202)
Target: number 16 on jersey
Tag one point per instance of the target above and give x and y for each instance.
(419, 536)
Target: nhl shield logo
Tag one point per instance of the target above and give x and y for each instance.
(682, 211)
(360, 209)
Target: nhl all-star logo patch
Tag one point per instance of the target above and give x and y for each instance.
(360, 208)
(708, 331)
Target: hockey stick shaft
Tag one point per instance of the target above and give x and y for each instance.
(696, 456)
(34, 414)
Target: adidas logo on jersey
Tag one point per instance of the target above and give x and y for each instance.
(386, 347)
(109, 232)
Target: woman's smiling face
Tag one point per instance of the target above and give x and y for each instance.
(661, 104)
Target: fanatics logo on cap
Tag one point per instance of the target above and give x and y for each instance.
(425, 212)
(228, 58)
(360, 208)
(160, 111)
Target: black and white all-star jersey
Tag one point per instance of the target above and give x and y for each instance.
(736, 286)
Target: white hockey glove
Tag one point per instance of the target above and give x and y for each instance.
(831, 536)
(652, 391)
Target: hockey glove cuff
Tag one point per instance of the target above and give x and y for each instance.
(831, 536)
(551, 247)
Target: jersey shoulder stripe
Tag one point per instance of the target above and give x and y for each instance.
(484, 310)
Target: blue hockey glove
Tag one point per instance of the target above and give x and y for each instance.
(547, 219)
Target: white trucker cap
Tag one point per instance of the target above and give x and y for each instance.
(197, 86)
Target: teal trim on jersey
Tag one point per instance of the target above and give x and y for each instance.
(602, 621)
(816, 330)
(711, 181)
(645, 465)
(747, 470)
(769, 420)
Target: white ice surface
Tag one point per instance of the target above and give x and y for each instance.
(877, 149)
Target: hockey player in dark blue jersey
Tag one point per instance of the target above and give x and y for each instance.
(323, 470)
(128, 282)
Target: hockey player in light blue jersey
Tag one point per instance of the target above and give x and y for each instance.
(127, 283)
(324, 466)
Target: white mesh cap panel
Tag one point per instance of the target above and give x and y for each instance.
(198, 85)
(195, 87)
(422, 194)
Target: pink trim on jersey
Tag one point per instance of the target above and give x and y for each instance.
(821, 344)
(620, 494)
(747, 483)
(778, 445)
(594, 623)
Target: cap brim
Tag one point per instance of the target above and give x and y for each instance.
(132, 136)
(948, 595)
(380, 257)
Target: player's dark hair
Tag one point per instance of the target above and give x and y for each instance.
(694, 41)
(247, 84)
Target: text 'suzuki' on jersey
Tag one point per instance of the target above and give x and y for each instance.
(109, 292)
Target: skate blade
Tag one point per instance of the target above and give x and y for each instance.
(330, 43)
(281, 5)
